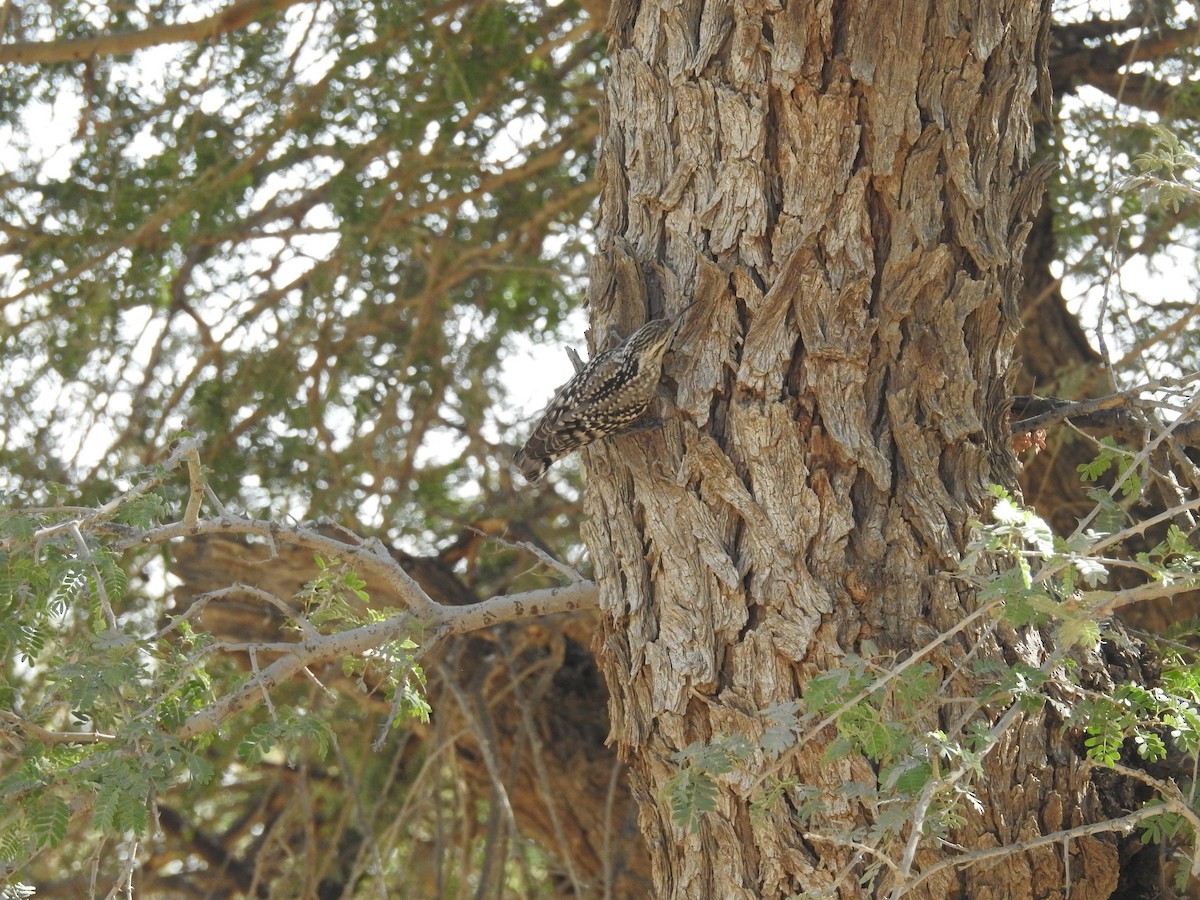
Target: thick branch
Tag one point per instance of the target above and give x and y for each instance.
(1101, 66)
(444, 622)
(434, 621)
(1074, 60)
(236, 16)
(376, 557)
(1113, 413)
(1142, 91)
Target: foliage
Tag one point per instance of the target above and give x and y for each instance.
(1167, 169)
(878, 707)
(114, 715)
(319, 240)
(693, 790)
(1123, 199)
(313, 241)
(102, 690)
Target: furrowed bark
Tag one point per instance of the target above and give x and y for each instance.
(846, 189)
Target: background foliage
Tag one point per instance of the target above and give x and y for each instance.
(328, 238)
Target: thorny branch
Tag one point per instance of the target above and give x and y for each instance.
(11, 721)
(1122, 824)
(1038, 412)
(432, 620)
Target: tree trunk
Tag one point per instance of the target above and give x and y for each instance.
(845, 189)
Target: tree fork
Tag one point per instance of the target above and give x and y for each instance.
(845, 190)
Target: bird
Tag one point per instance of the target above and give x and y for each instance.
(605, 397)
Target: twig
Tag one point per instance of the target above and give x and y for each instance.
(1075, 409)
(307, 629)
(54, 737)
(232, 17)
(196, 485)
(537, 757)
(435, 620)
(560, 567)
(846, 842)
(266, 695)
(354, 783)
(393, 712)
(1123, 535)
(487, 749)
(1124, 823)
(1108, 601)
(214, 499)
(610, 797)
(441, 623)
(1138, 459)
(1173, 796)
(124, 884)
(373, 556)
(329, 693)
(85, 556)
(192, 612)
(934, 785)
(890, 675)
(185, 446)
(94, 868)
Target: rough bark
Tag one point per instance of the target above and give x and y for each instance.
(846, 190)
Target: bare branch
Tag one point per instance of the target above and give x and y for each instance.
(1075, 63)
(85, 556)
(529, 547)
(440, 623)
(857, 845)
(91, 517)
(54, 737)
(1123, 824)
(433, 620)
(196, 485)
(933, 785)
(307, 629)
(1048, 410)
(374, 557)
(234, 17)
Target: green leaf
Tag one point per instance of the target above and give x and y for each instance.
(1079, 631)
(691, 794)
(258, 742)
(49, 818)
(777, 739)
(315, 730)
(839, 748)
(908, 778)
(1092, 571)
(200, 770)
(13, 844)
(1163, 827)
(1177, 541)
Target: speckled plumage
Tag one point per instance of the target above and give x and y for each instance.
(605, 397)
